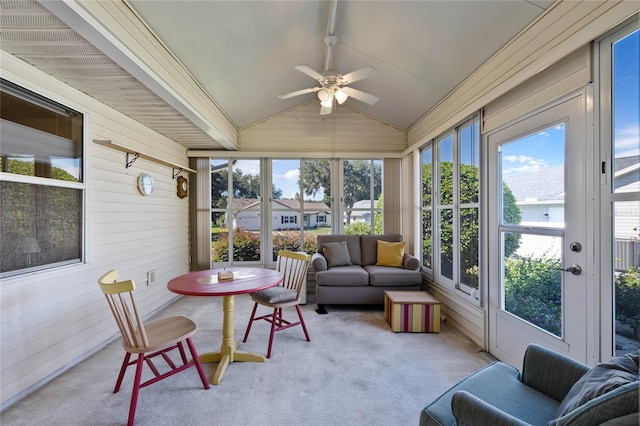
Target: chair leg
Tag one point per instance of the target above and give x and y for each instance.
(304, 327)
(253, 314)
(198, 364)
(182, 354)
(125, 364)
(136, 389)
(273, 330)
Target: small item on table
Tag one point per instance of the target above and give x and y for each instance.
(225, 276)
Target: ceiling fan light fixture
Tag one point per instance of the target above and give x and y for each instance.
(324, 95)
(327, 103)
(341, 96)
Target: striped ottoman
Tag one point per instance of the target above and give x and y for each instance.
(415, 311)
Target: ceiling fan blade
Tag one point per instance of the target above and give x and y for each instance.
(325, 110)
(361, 96)
(305, 69)
(299, 92)
(357, 75)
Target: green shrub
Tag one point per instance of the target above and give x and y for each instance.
(627, 294)
(246, 244)
(533, 291)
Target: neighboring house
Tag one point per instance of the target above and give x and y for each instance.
(361, 211)
(540, 197)
(246, 214)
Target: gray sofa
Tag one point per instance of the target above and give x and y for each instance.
(357, 279)
(551, 390)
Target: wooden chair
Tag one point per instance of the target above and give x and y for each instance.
(294, 268)
(147, 340)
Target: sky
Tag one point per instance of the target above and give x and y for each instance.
(544, 149)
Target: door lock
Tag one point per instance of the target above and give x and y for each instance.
(574, 269)
(575, 247)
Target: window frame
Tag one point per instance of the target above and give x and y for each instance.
(33, 96)
(455, 206)
(267, 210)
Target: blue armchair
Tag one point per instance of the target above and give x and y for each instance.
(551, 390)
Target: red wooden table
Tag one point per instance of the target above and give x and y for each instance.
(205, 283)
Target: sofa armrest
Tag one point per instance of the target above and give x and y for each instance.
(549, 372)
(411, 262)
(319, 262)
(472, 411)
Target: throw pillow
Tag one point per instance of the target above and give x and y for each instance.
(599, 380)
(337, 254)
(390, 254)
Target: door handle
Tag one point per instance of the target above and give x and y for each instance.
(574, 269)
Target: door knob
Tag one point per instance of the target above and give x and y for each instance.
(574, 269)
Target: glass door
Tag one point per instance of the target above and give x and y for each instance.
(619, 62)
(537, 235)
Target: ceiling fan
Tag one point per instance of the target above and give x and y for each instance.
(334, 86)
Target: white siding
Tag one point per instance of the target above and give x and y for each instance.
(50, 319)
(308, 131)
(567, 26)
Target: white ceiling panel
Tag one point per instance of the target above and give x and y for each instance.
(242, 53)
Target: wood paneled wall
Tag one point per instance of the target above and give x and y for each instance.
(304, 130)
(51, 319)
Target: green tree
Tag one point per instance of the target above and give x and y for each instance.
(357, 181)
(317, 177)
(244, 186)
(468, 221)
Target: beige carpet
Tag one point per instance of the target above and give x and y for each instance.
(355, 371)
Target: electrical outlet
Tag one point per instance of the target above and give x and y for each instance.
(151, 277)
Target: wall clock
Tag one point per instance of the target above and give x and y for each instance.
(145, 184)
(183, 187)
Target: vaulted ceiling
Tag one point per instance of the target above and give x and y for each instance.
(241, 54)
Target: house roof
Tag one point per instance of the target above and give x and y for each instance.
(252, 203)
(545, 184)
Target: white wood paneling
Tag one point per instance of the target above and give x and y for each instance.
(303, 130)
(51, 319)
(154, 64)
(567, 26)
(567, 75)
(462, 315)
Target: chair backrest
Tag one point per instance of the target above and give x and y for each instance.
(123, 306)
(294, 268)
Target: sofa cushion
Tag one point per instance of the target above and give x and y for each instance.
(390, 254)
(387, 276)
(497, 384)
(369, 246)
(599, 380)
(337, 254)
(343, 276)
(353, 244)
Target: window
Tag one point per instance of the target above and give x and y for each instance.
(362, 196)
(450, 207)
(300, 206)
(289, 219)
(235, 210)
(620, 98)
(42, 192)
